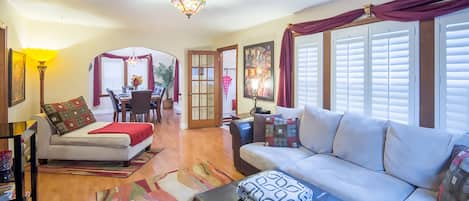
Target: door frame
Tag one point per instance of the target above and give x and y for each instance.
(3, 81)
(217, 90)
(220, 52)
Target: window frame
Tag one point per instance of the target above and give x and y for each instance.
(319, 39)
(367, 31)
(125, 74)
(440, 64)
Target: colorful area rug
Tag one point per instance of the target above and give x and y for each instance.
(179, 185)
(93, 168)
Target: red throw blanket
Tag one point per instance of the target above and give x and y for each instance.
(136, 131)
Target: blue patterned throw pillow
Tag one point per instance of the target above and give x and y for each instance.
(273, 185)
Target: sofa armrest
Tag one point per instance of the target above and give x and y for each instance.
(44, 132)
(241, 134)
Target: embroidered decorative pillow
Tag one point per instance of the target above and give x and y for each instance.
(281, 132)
(273, 185)
(69, 116)
(258, 130)
(455, 185)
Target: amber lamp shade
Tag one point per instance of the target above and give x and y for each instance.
(42, 56)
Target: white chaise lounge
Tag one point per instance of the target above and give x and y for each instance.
(79, 145)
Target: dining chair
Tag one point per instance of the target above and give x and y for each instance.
(140, 104)
(154, 104)
(115, 105)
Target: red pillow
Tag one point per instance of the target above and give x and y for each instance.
(281, 132)
(70, 115)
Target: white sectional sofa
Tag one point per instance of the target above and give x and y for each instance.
(355, 158)
(79, 145)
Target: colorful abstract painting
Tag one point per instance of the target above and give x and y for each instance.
(16, 77)
(259, 71)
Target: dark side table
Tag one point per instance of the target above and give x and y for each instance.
(19, 131)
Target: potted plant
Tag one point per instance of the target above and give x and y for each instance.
(167, 79)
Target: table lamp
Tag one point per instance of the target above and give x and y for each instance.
(254, 88)
(42, 56)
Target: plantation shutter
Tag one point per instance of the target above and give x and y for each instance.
(392, 67)
(349, 53)
(454, 73)
(308, 70)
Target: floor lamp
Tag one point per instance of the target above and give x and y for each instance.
(42, 56)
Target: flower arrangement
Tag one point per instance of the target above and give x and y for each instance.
(137, 80)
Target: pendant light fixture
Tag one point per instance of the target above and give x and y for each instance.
(132, 60)
(189, 7)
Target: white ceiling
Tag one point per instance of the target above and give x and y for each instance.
(218, 16)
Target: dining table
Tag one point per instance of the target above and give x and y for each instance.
(127, 97)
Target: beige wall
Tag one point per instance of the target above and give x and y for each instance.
(16, 30)
(67, 75)
(273, 31)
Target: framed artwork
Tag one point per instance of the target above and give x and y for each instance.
(259, 71)
(16, 77)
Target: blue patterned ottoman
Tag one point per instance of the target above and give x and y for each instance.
(229, 192)
(276, 185)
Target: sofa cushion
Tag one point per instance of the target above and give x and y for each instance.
(70, 115)
(266, 158)
(80, 137)
(290, 113)
(348, 181)
(421, 194)
(258, 130)
(361, 140)
(418, 155)
(281, 132)
(318, 129)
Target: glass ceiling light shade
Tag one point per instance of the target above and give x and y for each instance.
(189, 7)
(132, 60)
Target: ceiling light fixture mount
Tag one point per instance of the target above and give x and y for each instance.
(189, 7)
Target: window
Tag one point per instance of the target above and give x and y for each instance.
(115, 74)
(374, 71)
(452, 55)
(308, 70)
(112, 76)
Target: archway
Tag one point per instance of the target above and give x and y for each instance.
(118, 69)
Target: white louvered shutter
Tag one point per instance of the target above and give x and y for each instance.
(348, 66)
(112, 76)
(453, 111)
(393, 71)
(308, 70)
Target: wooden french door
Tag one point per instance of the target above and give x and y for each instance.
(204, 89)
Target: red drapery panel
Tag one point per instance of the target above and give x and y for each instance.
(97, 73)
(176, 82)
(97, 81)
(398, 10)
(151, 74)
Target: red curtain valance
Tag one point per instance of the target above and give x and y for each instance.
(398, 10)
(97, 73)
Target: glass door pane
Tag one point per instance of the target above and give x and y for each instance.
(203, 103)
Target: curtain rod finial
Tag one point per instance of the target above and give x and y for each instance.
(367, 9)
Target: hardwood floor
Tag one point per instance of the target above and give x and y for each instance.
(183, 148)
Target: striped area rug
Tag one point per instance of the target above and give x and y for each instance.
(94, 168)
(175, 185)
